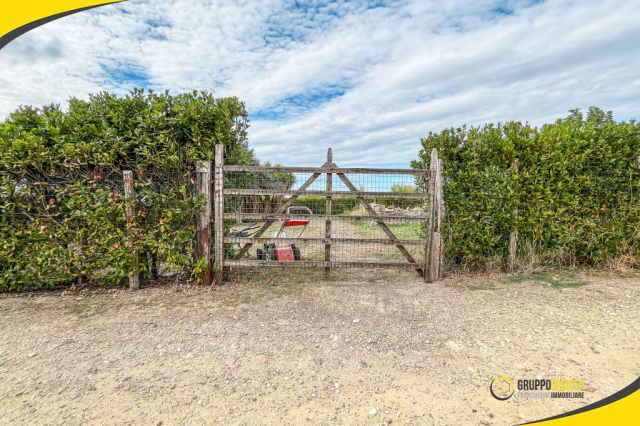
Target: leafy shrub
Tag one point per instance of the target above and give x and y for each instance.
(575, 187)
(62, 198)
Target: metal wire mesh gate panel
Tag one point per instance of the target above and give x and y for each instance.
(323, 217)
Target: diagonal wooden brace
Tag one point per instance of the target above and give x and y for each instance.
(382, 225)
(282, 209)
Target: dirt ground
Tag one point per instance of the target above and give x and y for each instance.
(379, 348)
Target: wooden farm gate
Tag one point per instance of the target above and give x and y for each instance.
(266, 196)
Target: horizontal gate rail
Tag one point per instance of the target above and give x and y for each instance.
(386, 241)
(357, 194)
(326, 170)
(359, 218)
(271, 205)
(309, 263)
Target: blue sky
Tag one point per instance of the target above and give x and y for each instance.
(366, 78)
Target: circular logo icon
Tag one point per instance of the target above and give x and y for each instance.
(502, 388)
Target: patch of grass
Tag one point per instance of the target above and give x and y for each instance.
(559, 280)
(364, 364)
(407, 231)
(388, 256)
(403, 231)
(317, 255)
(483, 286)
(517, 279)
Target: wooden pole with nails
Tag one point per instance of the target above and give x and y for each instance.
(204, 221)
(129, 193)
(218, 183)
(513, 237)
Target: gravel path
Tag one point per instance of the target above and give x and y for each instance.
(359, 351)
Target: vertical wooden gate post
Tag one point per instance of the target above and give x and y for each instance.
(204, 220)
(127, 178)
(218, 182)
(441, 215)
(513, 237)
(327, 233)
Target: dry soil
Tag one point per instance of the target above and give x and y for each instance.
(380, 348)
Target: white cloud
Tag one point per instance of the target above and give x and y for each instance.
(368, 81)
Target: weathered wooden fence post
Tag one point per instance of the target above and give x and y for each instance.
(431, 255)
(218, 182)
(429, 237)
(435, 239)
(203, 250)
(129, 193)
(327, 233)
(441, 216)
(513, 237)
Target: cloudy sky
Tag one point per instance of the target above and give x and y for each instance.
(367, 78)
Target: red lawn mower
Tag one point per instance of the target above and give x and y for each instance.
(291, 252)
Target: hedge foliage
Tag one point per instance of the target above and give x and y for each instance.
(61, 192)
(576, 187)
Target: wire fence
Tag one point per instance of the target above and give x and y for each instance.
(326, 217)
(355, 234)
(66, 229)
(70, 229)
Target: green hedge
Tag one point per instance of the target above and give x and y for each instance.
(576, 188)
(61, 191)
